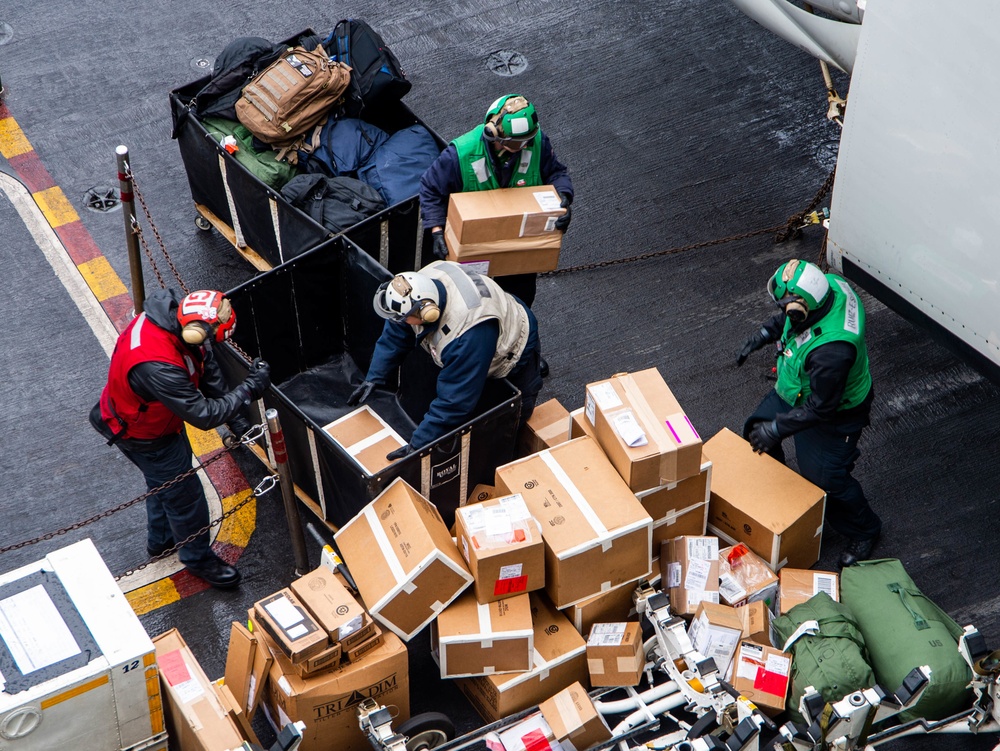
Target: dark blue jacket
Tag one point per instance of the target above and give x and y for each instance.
(444, 177)
(462, 378)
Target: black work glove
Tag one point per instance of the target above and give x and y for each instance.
(764, 436)
(399, 453)
(562, 223)
(755, 342)
(258, 379)
(239, 425)
(439, 249)
(361, 394)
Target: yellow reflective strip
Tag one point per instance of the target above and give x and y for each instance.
(155, 704)
(236, 530)
(149, 659)
(56, 207)
(101, 278)
(12, 139)
(81, 689)
(147, 599)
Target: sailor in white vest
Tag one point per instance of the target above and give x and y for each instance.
(471, 328)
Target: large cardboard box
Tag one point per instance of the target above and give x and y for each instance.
(291, 625)
(559, 660)
(366, 437)
(597, 535)
(614, 605)
(334, 608)
(679, 508)
(745, 577)
(548, 426)
(689, 568)
(403, 559)
(614, 654)
(574, 720)
(796, 586)
(716, 631)
(196, 717)
(505, 231)
(247, 663)
(762, 675)
(761, 502)
(470, 638)
(643, 429)
(502, 544)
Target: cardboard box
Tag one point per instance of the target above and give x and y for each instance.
(328, 658)
(470, 638)
(548, 426)
(366, 438)
(597, 535)
(579, 426)
(745, 577)
(524, 255)
(327, 702)
(335, 609)
(756, 622)
(481, 493)
(574, 720)
(762, 675)
(614, 654)
(502, 544)
(614, 605)
(761, 502)
(560, 659)
(358, 651)
(799, 585)
(196, 717)
(689, 568)
(289, 623)
(236, 712)
(716, 631)
(403, 559)
(679, 508)
(643, 429)
(247, 663)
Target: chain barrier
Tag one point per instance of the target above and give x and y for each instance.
(251, 436)
(781, 232)
(152, 226)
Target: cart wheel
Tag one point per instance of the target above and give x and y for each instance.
(202, 223)
(426, 731)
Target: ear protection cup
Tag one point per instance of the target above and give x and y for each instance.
(429, 312)
(195, 333)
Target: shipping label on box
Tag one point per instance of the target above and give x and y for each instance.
(548, 426)
(366, 438)
(469, 638)
(288, 622)
(559, 659)
(502, 544)
(403, 558)
(335, 609)
(690, 570)
(614, 654)
(643, 429)
(597, 535)
(759, 501)
(796, 586)
(745, 577)
(716, 631)
(574, 720)
(762, 675)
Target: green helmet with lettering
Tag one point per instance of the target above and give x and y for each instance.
(798, 287)
(510, 120)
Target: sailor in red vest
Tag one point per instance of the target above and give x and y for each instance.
(163, 373)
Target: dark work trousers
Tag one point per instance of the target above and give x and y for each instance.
(826, 456)
(522, 286)
(527, 377)
(177, 511)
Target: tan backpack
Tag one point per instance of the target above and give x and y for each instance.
(292, 95)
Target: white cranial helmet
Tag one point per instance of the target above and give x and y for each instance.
(408, 294)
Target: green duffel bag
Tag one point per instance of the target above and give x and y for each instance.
(827, 648)
(262, 164)
(904, 630)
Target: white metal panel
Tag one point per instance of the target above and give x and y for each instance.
(916, 202)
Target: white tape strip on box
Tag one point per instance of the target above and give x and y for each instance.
(395, 567)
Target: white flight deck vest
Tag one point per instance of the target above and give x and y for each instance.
(471, 299)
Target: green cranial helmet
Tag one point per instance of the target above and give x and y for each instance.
(511, 119)
(799, 287)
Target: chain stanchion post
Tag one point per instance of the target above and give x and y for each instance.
(131, 240)
(287, 492)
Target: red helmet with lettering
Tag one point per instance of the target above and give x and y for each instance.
(203, 313)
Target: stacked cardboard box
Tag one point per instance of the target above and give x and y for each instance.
(679, 508)
(548, 426)
(614, 654)
(715, 631)
(797, 586)
(762, 674)
(469, 638)
(689, 568)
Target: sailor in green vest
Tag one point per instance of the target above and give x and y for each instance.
(507, 150)
(823, 393)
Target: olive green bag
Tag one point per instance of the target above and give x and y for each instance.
(828, 650)
(263, 164)
(904, 630)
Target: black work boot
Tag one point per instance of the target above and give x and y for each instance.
(857, 550)
(216, 572)
(543, 367)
